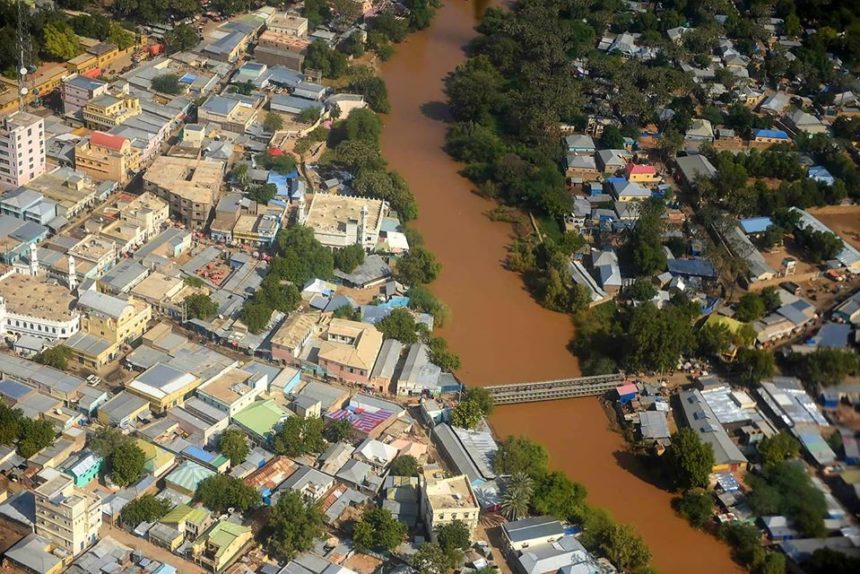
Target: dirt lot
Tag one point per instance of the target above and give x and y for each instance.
(151, 550)
(775, 256)
(845, 224)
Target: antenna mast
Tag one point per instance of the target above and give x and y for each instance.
(24, 56)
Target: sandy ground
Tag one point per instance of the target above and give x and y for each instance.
(846, 225)
(150, 549)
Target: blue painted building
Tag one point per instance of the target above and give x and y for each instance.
(85, 469)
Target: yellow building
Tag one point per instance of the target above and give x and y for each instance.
(192, 187)
(66, 515)
(146, 210)
(82, 64)
(220, 544)
(107, 157)
(116, 320)
(110, 110)
(164, 386)
(158, 460)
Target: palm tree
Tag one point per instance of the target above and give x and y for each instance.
(517, 496)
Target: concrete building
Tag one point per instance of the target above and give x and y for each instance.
(288, 24)
(233, 391)
(292, 336)
(340, 221)
(31, 306)
(107, 157)
(116, 320)
(123, 409)
(217, 547)
(702, 419)
(22, 149)
(70, 190)
(164, 386)
(191, 187)
(445, 500)
(28, 205)
(349, 349)
(109, 110)
(78, 90)
(233, 112)
(66, 515)
(532, 531)
(419, 375)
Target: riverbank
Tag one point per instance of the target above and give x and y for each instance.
(501, 334)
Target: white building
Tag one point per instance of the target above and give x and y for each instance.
(445, 500)
(340, 220)
(22, 149)
(29, 305)
(67, 516)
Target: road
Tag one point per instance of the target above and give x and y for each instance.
(150, 550)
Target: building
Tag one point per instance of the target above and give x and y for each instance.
(288, 24)
(217, 547)
(22, 149)
(164, 386)
(260, 419)
(445, 500)
(123, 410)
(233, 112)
(107, 157)
(349, 349)
(764, 136)
(78, 90)
(532, 531)
(382, 375)
(233, 391)
(418, 376)
(191, 187)
(340, 221)
(31, 306)
(109, 110)
(566, 555)
(701, 418)
(692, 167)
(34, 554)
(116, 320)
(309, 482)
(66, 515)
(187, 477)
(85, 469)
(28, 205)
(70, 190)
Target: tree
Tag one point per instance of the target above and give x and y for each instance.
(420, 13)
(785, 488)
(775, 449)
(389, 186)
(697, 506)
(482, 397)
(467, 414)
(348, 258)
(293, 525)
(255, 315)
(825, 367)
(404, 465)
(273, 122)
(34, 435)
(126, 463)
(221, 492)
(166, 84)
(642, 290)
(657, 337)
(430, 559)
(400, 325)
(59, 41)
(298, 436)
(517, 496)
(364, 81)
(774, 563)
(105, 441)
(611, 138)
(147, 508)
(755, 365)
(337, 430)
(390, 26)
(713, 339)
(320, 56)
(518, 454)
(771, 299)
(556, 495)
(263, 193)
(182, 37)
(454, 536)
(301, 257)
(827, 561)
(750, 307)
(56, 357)
(689, 460)
(232, 444)
(199, 306)
(626, 549)
(819, 245)
(440, 355)
(745, 539)
(378, 529)
(309, 115)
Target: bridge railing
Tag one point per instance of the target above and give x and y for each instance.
(593, 379)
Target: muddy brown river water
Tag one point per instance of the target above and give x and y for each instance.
(500, 333)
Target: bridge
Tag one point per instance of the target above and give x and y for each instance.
(554, 390)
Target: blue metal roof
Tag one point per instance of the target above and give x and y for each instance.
(770, 134)
(756, 224)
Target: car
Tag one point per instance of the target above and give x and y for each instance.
(791, 287)
(93, 380)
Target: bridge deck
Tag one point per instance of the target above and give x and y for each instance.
(554, 390)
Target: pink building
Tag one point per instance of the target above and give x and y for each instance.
(22, 149)
(349, 350)
(78, 90)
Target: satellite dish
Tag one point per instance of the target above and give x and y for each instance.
(23, 71)
(24, 91)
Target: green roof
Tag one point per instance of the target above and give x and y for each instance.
(260, 417)
(224, 533)
(188, 475)
(198, 516)
(185, 513)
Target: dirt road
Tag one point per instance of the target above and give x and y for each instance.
(150, 550)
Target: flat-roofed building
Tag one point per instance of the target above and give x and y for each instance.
(72, 191)
(147, 210)
(293, 335)
(289, 24)
(78, 90)
(22, 149)
(116, 320)
(339, 220)
(233, 391)
(109, 110)
(164, 386)
(445, 500)
(66, 515)
(105, 156)
(349, 350)
(191, 187)
(32, 306)
(123, 409)
(93, 256)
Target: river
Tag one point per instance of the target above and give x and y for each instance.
(501, 334)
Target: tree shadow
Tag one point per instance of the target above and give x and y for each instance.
(437, 111)
(642, 468)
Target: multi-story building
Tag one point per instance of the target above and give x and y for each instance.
(146, 210)
(94, 256)
(78, 90)
(107, 157)
(28, 205)
(110, 109)
(217, 547)
(31, 306)
(288, 24)
(66, 515)
(349, 350)
(445, 500)
(22, 149)
(114, 319)
(191, 187)
(340, 220)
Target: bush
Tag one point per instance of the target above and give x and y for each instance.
(697, 506)
(404, 465)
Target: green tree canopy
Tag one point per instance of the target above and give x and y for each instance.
(417, 267)
(167, 84)
(430, 558)
(337, 430)
(147, 508)
(272, 122)
(556, 495)
(778, 448)
(378, 529)
(826, 367)
(467, 414)
(689, 460)
(221, 492)
(298, 436)
(182, 37)
(200, 306)
(60, 41)
(517, 496)
(404, 465)
(293, 525)
(400, 325)
(697, 506)
(126, 464)
(750, 307)
(56, 356)
(754, 365)
(440, 356)
(785, 488)
(233, 444)
(454, 536)
(519, 454)
(348, 258)
(301, 257)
